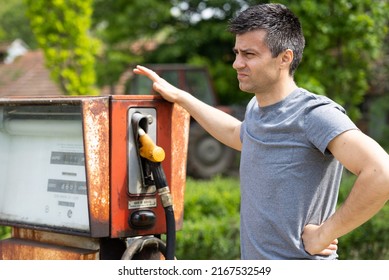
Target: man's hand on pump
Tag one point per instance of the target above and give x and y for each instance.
(168, 91)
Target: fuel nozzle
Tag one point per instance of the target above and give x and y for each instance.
(149, 150)
(154, 155)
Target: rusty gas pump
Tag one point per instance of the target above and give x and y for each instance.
(74, 183)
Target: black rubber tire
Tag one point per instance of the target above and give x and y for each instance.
(207, 157)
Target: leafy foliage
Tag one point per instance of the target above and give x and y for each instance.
(126, 27)
(14, 23)
(344, 38)
(61, 29)
(211, 223)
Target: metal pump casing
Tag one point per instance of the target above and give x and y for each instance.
(104, 132)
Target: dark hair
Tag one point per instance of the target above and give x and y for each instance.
(283, 29)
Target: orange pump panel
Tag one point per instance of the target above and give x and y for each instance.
(172, 130)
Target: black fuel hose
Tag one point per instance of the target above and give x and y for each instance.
(164, 192)
(170, 233)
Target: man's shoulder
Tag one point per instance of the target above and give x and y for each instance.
(313, 101)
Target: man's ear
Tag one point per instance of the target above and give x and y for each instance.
(286, 59)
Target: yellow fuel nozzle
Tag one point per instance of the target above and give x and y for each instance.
(149, 149)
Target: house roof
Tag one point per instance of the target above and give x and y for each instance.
(27, 76)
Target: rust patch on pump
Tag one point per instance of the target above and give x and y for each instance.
(20, 249)
(179, 144)
(96, 131)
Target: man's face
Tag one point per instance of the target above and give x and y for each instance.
(257, 70)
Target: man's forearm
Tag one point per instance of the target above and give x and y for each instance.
(219, 124)
(368, 195)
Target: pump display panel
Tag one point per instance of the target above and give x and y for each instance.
(42, 167)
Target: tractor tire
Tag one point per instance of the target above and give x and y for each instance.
(207, 157)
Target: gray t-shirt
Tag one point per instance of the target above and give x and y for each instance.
(288, 177)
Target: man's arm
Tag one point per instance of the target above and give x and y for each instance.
(365, 158)
(219, 124)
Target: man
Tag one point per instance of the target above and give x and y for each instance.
(293, 143)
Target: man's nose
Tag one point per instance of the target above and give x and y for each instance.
(238, 63)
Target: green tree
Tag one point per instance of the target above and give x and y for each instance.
(61, 28)
(122, 25)
(14, 23)
(344, 38)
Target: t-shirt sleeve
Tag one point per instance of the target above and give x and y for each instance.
(325, 121)
(249, 107)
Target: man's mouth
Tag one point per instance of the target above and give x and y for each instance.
(241, 75)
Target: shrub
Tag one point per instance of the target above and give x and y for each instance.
(211, 224)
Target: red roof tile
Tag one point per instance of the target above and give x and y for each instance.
(27, 76)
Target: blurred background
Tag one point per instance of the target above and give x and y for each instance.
(71, 47)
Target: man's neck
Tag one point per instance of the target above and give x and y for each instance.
(276, 94)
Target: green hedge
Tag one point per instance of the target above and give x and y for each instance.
(211, 220)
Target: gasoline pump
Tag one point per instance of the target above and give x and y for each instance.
(87, 177)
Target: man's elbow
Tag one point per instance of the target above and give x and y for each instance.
(381, 176)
